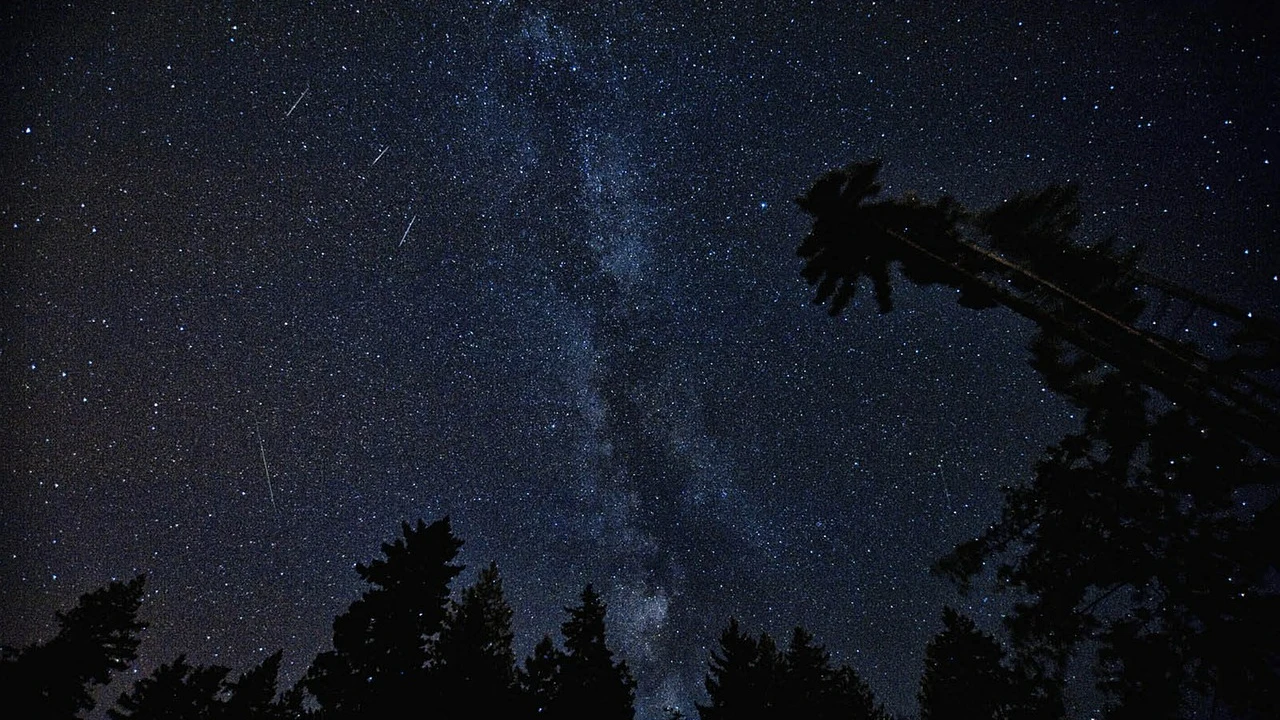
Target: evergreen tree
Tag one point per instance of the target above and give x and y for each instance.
(853, 236)
(175, 691)
(964, 678)
(591, 683)
(378, 664)
(474, 664)
(539, 680)
(852, 697)
(253, 694)
(96, 638)
(741, 679)
(749, 679)
(805, 679)
(583, 680)
(181, 691)
(811, 687)
(1021, 255)
(1142, 547)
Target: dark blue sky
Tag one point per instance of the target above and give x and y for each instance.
(532, 266)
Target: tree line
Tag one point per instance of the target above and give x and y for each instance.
(408, 642)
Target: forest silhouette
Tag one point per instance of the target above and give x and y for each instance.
(1144, 545)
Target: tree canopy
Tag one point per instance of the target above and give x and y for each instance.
(1022, 255)
(95, 639)
(1152, 533)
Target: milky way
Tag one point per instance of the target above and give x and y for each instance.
(276, 280)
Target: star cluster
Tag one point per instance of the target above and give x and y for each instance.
(276, 278)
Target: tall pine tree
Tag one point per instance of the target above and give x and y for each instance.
(591, 683)
(806, 675)
(473, 661)
(742, 676)
(583, 680)
(380, 644)
(1150, 535)
(540, 678)
(964, 676)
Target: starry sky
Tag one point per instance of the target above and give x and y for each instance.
(278, 276)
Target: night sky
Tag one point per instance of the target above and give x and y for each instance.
(533, 266)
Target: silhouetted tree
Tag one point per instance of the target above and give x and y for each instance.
(473, 661)
(810, 687)
(378, 664)
(175, 691)
(1083, 298)
(539, 679)
(964, 675)
(1152, 533)
(1144, 678)
(805, 678)
(1146, 548)
(852, 698)
(741, 678)
(583, 680)
(591, 683)
(853, 237)
(748, 679)
(254, 694)
(181, 691)
(97, 637)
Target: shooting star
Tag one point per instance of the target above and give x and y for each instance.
(263, 451)
(384, 152)
(406, 231)
(295, 102)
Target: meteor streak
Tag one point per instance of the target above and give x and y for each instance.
(262, 451)
(406, 231)
(295, 102)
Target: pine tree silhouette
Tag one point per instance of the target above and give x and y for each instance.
(254, 694)
(380, 644)
(175, 691)
(851, 697)
(742, 677)
(1021, 255)
(473, 661)
(96, 638)
(583, 680)
(181, 691)
(539, 680)
(853, 237)
(811, 687)
(591, 683)
(806, 675)
(964, 676)
(749, 680)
